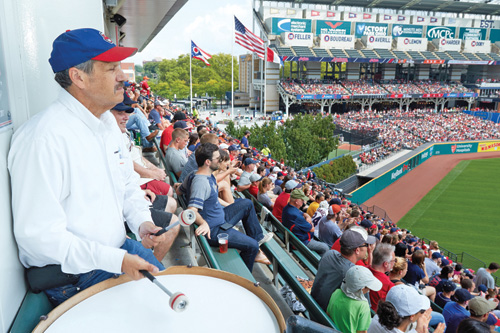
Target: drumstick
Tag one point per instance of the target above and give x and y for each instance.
(178, 301)
(186, 218)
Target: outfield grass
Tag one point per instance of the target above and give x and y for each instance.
(337, 152)
(462, 212)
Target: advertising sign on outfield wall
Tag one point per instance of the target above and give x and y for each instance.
(279, 25)
(407, 30)
(435, 32)
(495, 35)
(472, 33)
(455, 148)
(484, 147)
(371, 29)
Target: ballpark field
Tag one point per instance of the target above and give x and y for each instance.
(462, 211)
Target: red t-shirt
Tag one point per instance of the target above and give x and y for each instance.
(166, 136)
(279, 204)
(254, 190)
(377, 296)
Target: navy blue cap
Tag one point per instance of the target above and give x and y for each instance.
(123, 107)
(249, 161)
(233, 147)
(75, 47)
(181, 124)
(127, 100)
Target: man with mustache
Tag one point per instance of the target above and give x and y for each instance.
(72, 180)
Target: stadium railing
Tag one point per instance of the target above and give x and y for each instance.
(376, 210)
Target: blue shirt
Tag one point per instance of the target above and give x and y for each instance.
(453, 314)
(244, 141)
(155, 116)
(414, 274)
(294, 220)
(189, 167)
(204, 195)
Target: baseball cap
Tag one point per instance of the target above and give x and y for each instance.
(280, 174)
(480, 306)
(233, 147)
(335, 201)
(249, 161)
(448, 286)
(255, 177)
(334, 209)
(298, 194)
(179, 115)
(393, 229)
(492, 320)
(358, 277)
(291, 184)
(445, 262)
(436, 255)
(223, 146)
(407, 300)
(323, 204)
(123, 107)
(356, 237)
(75, 47)
(243, 151)
(462, 295)
(127, 100)
(366, 223)
(276, 169)
(180, 124)
(482, 288)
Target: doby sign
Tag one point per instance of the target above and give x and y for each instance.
(481, 46)
(339, 41)
(444, 44)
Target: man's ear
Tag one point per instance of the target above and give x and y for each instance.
(79, 78)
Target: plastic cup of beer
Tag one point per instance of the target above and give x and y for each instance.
(223, 240)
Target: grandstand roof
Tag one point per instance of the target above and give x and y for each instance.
(480, 8)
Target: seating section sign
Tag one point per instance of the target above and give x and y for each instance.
(371, 29)
(333, 28)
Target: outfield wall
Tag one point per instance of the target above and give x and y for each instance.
(379, 183)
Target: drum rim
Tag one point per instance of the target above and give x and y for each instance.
(254, 288)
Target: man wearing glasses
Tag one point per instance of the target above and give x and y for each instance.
(212, 219)
(334, 265)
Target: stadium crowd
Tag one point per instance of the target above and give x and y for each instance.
(367, 87)
(398, 129)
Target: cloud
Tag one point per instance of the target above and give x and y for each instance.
(210, 24)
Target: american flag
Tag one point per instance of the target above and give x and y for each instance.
(248, 39)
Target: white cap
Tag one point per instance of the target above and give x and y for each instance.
(291, 184)
(243, 151)
(276, 169)
(407, 300)
(223, 146)
(358, 277)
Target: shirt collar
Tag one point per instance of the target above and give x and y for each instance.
(80, 111)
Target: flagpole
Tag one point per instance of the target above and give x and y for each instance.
(191, 78)
(232, 74)
(265, 79)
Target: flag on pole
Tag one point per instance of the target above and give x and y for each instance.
(272, 56)
(248, 39)
(199, 54)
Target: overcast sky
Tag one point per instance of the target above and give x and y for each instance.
(209, 23)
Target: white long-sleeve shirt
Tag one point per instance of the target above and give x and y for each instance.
(73, 184)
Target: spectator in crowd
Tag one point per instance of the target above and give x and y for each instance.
(138, 121)
(315, 204)
(468, 285)
(166, 135)
(145, 89)
(329, 230)
(480, 308)
(244, 140)
(382, 263)
(398, 270)
(300, 224)
(333, 265)
(471, 325)
(404, 310)
(444, 296)
(223, 177)
(249, 166)
(348, 306)
(73, 153)
(432, 265)
(483, 276)
(176, 154)
(266, 151)
(445, 274)
(254, 184)
(191, 165)
(193, 142)
(156, 118)
(264, 187)
(282, 200)
(417, 274)
(212, 218)
(455, 312)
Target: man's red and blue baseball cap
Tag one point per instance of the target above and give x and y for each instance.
(75, 47)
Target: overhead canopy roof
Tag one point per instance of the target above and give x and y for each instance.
(145, 19)
(480, 8)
